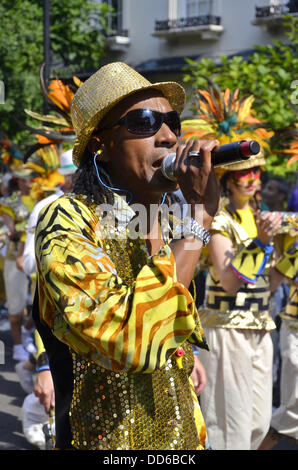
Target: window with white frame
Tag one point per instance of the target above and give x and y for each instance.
(197, 7)
(191, 8)
(115, 19)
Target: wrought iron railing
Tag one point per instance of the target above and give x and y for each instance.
(181, 23)
(118, 32)
(277, 10)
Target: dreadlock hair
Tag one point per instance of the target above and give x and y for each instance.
(88, 184)
(227, 193)
(224, 184)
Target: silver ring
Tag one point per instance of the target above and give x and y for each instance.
(194, 154)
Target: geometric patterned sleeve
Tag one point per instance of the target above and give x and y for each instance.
(221, 224)
(89, 307)
(287, 263)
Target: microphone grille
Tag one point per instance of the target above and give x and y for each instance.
(167, 166)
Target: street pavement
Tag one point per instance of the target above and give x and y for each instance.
(11, 400)
(12, 397)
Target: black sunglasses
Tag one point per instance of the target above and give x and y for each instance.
(145, 121)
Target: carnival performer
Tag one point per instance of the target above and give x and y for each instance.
(5, 191)
(284, 422)
(237, 400)
(15, 210)
(121, 302)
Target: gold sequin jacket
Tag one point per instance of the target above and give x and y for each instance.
(249, 308)
(123, 315)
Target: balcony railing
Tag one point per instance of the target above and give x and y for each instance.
(272, 10)
(118, 32)
(118, 39)
(272, 15)
(208, 27)
(182, 23)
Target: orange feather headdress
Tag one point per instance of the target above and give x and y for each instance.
(222, 115)
(56, 129)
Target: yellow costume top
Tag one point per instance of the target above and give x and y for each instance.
(19, 208)
(123, 315)
(249, 308)
(287, 265)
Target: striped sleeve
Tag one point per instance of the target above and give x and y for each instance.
(90, 308)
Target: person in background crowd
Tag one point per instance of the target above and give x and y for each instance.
(275, 194)
(293, 200)
(5, 192)
(5, 184)
(41, 385)
(284, 422)
(15, 210)
(237, 399)
(67, 169)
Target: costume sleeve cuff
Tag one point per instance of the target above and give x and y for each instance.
(251, 261)
(42, 362)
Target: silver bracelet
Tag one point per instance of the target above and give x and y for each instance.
(199, 232)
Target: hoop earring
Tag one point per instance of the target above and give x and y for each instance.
(109, 187)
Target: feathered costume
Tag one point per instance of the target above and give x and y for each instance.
(55, 131)
(226, 117)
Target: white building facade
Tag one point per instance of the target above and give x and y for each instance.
(155, 36)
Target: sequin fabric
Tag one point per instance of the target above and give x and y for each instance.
(123, 411)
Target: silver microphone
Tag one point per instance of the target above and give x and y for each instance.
(167, 166)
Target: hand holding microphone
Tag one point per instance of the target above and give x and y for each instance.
(224, 155)
(192, 168)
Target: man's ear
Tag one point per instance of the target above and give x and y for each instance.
(95, 145)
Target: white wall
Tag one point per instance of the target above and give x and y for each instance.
(239, 33)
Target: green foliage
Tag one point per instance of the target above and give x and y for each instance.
(20, 55)
(77, 32)
(268, 75)
(77, 41)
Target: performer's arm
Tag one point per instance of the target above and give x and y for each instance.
(200, 189)
(94, 311)
(235, 268)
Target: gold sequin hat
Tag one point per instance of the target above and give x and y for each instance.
(103, 90)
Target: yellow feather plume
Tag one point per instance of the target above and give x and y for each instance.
(225, 117)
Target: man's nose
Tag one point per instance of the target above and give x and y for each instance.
(165, 136)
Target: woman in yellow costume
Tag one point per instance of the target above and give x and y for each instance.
(15, 211)
(237, 399)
